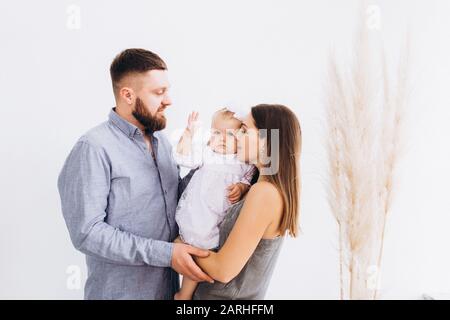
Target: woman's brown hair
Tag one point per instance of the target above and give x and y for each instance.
(287, 178)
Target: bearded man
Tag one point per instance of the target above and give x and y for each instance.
(119, 191)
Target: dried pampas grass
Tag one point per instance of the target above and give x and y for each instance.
(364, 118)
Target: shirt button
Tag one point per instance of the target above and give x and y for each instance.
(165, 191)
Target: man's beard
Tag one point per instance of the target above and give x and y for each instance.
(150, 123)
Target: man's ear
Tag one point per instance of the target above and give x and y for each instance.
(127, 94)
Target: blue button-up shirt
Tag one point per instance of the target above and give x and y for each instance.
(119, 206)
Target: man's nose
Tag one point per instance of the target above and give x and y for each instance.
(167, 101)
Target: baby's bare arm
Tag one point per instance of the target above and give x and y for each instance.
(184, 146)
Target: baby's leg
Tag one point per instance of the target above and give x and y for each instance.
(187, 289)
(187, 286)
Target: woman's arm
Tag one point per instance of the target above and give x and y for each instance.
(262, 207)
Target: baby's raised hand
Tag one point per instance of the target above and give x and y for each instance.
(237, 191)
(192, 123)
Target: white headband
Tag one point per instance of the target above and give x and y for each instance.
(239, 112)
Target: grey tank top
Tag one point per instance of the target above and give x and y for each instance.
(252, 282)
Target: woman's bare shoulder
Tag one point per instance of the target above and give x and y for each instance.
(265, 194)
(265, 188)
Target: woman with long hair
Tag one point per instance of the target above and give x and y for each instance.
(253, 230)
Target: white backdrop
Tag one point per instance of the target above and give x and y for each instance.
(55, 85)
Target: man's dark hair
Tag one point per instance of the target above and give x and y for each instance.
(134, 61)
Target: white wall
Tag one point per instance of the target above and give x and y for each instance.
(55, 86)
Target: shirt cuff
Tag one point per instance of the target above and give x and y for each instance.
(160, 254)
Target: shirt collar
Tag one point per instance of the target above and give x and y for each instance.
(126, 127)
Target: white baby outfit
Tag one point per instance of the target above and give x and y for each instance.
(204, 202)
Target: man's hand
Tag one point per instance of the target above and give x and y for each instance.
(237, 191)
(183, 263)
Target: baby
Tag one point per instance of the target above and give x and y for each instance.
(219, 181)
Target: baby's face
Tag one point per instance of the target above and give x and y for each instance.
(223, 136)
